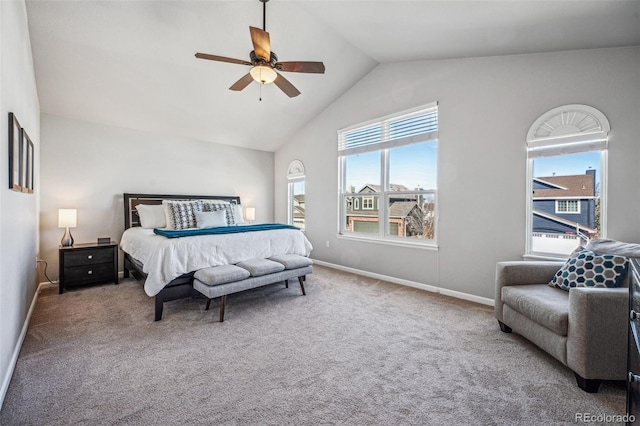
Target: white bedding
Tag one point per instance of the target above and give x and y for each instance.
(165, 259)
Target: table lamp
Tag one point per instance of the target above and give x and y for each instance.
(250, 214)
(67, 218)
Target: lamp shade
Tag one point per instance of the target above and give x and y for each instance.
(67, 218)
(250, 213)
(263, 74)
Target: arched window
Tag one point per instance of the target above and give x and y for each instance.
(296, 178)
(566, 179)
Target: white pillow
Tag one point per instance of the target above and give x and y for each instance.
(151, 215)
(237, 214)
(211, 219)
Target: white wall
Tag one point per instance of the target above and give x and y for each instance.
(88, 167)
(486, 106)
(18, 211)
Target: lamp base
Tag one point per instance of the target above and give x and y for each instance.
(67, 239)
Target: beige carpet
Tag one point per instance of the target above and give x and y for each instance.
(354, 351)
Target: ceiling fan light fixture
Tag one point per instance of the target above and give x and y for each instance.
(263, 74)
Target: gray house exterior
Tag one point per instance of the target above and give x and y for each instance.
(406, 218)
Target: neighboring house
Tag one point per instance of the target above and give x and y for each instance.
(406, 217)
(565, 204)
(298, 211)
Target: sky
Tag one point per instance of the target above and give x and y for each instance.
(412, 166)
(564, 165)
(416, 165)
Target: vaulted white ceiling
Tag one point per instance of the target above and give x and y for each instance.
(131, 63)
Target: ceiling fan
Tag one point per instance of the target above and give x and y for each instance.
(264, 63)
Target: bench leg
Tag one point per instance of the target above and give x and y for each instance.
(223, 300)
(208, 304)
(286, 283)
(302, 285)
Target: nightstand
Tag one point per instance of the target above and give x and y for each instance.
(91, 263)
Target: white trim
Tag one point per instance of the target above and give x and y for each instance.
(421, 286)
(549, 183)
(368, 198)
(533, 256)
(295, 170)
(564, 198)
(559, 128)
(397, 241)
(568, 211)
(16, 351)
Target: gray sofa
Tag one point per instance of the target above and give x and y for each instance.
(585, 328)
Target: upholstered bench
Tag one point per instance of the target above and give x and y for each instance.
(220, 281)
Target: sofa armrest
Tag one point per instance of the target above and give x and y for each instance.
(597, 335)
(521, 272)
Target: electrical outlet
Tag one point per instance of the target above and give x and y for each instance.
(37, 260)
(327, 243)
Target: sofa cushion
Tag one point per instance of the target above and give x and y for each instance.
(221, 274)
(542, 304)
(258, 267)
(588, 269)
(292, 261)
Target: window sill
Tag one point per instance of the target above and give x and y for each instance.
(390, 242)
(542, 256)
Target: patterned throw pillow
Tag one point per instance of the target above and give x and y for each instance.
(181, 214)
(589, 269)
(217, 205)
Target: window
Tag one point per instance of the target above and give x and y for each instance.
(566, 169)
(388, 170)
(567, 206)
(367, 203)
(296, 190)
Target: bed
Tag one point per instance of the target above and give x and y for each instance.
(167, 265)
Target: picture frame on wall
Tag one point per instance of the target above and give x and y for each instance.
(15, 153)
(28, 175)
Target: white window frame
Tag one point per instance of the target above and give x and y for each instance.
(367, 203)
(567, 129)
(295, 174)
(567, 203)
(383, 147)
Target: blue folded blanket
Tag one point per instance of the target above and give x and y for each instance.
(177, 233)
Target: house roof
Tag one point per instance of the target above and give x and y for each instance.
(401, 208)
(131, 64)
(377, 188)
(563, 221)
(566, 186)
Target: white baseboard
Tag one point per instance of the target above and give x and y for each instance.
(431, 288)
(16, 351)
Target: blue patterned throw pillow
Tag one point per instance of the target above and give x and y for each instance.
(589, 269)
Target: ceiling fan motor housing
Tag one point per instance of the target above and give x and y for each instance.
(257, 60)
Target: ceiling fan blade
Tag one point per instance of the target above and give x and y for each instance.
(261, 43)
(222, 59)
(298, 66)
(242, 83)
(284, 85)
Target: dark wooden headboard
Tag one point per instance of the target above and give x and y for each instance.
(131, 218)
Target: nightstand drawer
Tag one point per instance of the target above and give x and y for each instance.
(88, 274)
(87, 257)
